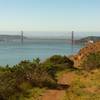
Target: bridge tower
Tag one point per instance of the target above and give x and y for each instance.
(72, 41)
(22, 37)
(72, 37)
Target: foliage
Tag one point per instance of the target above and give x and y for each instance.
(16, 81)
(26, 80)
(92, 61)
(57, 59)
(59, 62)
(21, 77)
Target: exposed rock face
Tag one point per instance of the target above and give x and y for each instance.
(84, 52)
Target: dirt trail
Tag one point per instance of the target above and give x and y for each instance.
(53, 95)
(65, 79)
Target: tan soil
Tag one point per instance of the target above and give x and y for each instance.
(53, 95)
(65, 79)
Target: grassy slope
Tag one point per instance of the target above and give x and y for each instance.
(85, 86)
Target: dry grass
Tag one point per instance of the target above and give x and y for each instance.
(85, 86)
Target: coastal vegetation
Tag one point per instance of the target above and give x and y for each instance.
(18, 82)
(29, 80)
(92, 61)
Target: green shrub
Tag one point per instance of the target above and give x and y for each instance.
(58, 62)
(92, 61)
(17, 80)
(57, 59)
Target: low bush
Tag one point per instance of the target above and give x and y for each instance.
(17, 80)
(92, 61)
(57, 59)
(59, 62)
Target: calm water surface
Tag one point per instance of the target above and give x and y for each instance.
(13, 52)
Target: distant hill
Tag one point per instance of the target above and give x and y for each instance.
(10, 37)
(86, 39)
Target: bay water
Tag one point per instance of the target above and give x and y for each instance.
(12, 52)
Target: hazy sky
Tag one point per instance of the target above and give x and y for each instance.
(50, 15)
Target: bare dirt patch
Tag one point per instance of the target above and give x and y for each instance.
(67, 78)
(53, 95)
(57, 94)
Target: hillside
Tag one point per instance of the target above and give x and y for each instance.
(10, 37)
(83, 83)
(54, 79)
(86, 39)
(84, 52)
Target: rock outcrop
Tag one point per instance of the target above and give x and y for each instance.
(84, 52)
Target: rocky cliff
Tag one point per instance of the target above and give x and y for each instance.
(84, 52)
